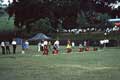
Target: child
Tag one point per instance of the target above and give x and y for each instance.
(45, 50)
(55, 49)
(80, 48)
(69, 47)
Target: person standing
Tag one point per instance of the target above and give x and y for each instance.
(14, 43)
(7, 44)
(27, 44)
(49, 45)
(101, 44)
(39, 45)
(73, 44)
(3, 47)
(23, 46)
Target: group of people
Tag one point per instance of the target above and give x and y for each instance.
(5, 45)
(44, 46)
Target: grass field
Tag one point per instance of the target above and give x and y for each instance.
(100, 65)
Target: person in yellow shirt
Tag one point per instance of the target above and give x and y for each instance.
(69, 47)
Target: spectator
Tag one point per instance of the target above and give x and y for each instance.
(3, 47)
(14, 43)
(73, 44)
(7, 44)
(23, 47)
(27, 44)
(101, 44)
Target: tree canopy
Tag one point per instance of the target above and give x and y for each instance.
(65, 12)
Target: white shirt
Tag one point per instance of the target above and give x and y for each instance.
(27, 42)
(14, 43)
(101, 41)
(56, 42)
(73, 44)
(45, 43)
(2, 43)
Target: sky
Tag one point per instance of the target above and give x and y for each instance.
(6, 1)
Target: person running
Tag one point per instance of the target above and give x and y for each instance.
(3, 47)
(7, 45)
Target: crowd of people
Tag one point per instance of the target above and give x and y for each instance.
(6, 46)
(46, 46)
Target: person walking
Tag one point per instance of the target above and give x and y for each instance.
(14, 43)
(3, 47)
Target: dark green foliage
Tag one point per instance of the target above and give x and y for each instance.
(29, 11)
(43, 25)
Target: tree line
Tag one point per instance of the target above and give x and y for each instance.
(61, 14)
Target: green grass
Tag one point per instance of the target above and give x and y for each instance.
(6, 24)
(100, 65)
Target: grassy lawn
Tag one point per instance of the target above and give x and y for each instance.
(100, 65)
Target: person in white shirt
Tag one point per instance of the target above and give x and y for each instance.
(45, 43)
(3, 47)
(14, 43)
(57, 44)
(39, 44)
(73, 44)
(101, 44)
(27, 44)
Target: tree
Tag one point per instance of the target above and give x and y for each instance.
(81, 20)
(29, 11)
(43, 25)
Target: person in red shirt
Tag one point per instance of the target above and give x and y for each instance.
(45, 50)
